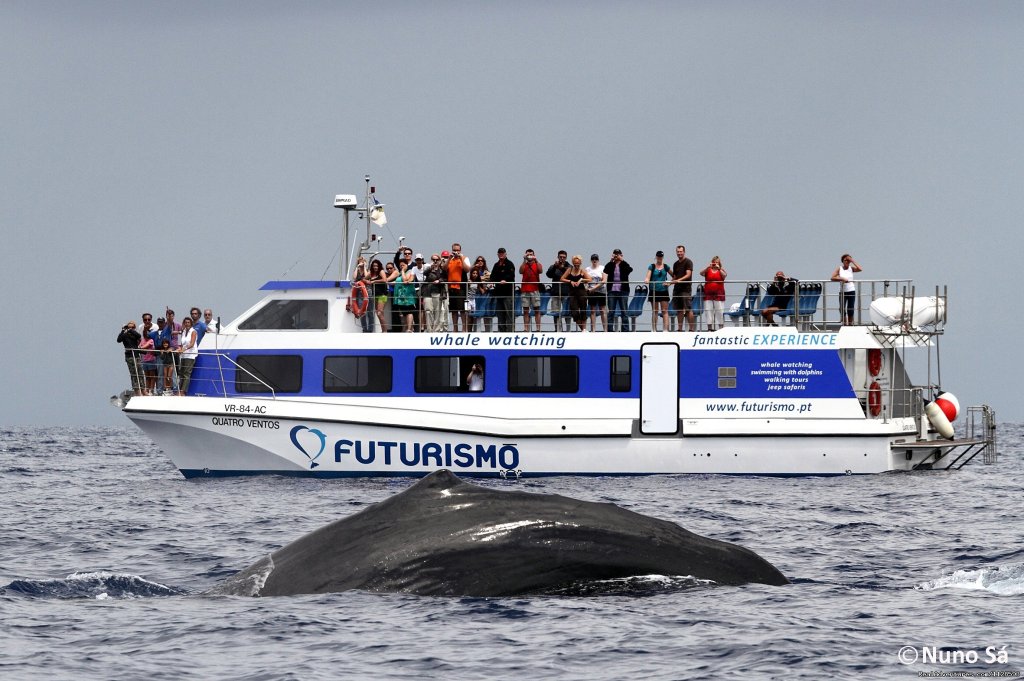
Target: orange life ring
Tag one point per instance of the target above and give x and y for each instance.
(360, 299)
(874, 361)
(875, 399)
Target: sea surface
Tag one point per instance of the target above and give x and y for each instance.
(105, 550)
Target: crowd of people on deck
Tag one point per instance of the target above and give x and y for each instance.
(442, 294)
(160, 356)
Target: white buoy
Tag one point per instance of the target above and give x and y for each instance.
(938, 420)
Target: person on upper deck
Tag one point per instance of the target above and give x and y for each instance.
(781, 290)
(658, 274)
(576, 278)
(617, 272)
(558, 289)
(682, 291)
(377, 280)
(480, 289)
(844, 273)
(404, 301)
(714, 293)
(597, 296)
(530, 289)
(435, 299)
(458, 271)
(503, 278)
(130, 338)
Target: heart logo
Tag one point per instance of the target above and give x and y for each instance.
(310, 444)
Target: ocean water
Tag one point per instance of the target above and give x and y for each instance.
(105, 549)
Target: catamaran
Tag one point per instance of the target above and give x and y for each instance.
(294, 386)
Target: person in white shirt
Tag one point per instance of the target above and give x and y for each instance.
(597, 297)
(844, 273)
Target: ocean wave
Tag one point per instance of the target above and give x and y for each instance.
(1006, 580)
(97, 585)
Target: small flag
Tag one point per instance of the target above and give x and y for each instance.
(377, 216)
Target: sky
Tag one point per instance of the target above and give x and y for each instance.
(183, 153)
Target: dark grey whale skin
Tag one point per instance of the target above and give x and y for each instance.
(446, 537)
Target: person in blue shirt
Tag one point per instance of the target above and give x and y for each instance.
(198, 324)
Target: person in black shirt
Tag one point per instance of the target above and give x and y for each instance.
(503, 279)
(617, 273)
(130, 339)
(781, 290)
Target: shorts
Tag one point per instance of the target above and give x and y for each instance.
(659, 296)
(531, 299)
(380, 300)
(457, 298)
(597, 298)
(683, 301)
(149, 367)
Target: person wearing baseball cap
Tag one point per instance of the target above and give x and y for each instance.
(616, 272)
(781, 291)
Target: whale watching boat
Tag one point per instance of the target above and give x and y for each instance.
(294, 386)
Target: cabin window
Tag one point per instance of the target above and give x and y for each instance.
(621, 374)
(726, 377)
(370, 374)
(545, 374)
(447, 374)
(268, 373)
(288, 315)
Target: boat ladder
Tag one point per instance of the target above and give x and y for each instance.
(980, 438)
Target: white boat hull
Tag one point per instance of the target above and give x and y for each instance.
(241, 443)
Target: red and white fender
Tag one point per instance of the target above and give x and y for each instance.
(941, 412)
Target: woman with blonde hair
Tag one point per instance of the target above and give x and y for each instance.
(577, 279)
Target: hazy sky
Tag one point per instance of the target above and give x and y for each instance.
(183, 153)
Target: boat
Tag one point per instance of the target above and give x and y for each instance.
(294, 386)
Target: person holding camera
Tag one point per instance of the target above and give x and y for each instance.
(558, 290)
(475, 379)
(781, 290)
(530, 272)
(130, 339)
(435, 296)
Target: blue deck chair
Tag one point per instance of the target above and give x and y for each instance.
(810, 295)
(748, 305)
(545, 298)
(636, 306)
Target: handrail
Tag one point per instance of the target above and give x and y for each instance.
(169, 381)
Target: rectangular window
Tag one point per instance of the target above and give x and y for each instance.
(288, 315)
(268, 373)
(450, 374)
(621, 374)
(726, 377)
(370, 374)
(547, 374)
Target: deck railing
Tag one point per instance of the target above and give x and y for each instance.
(817, 305)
